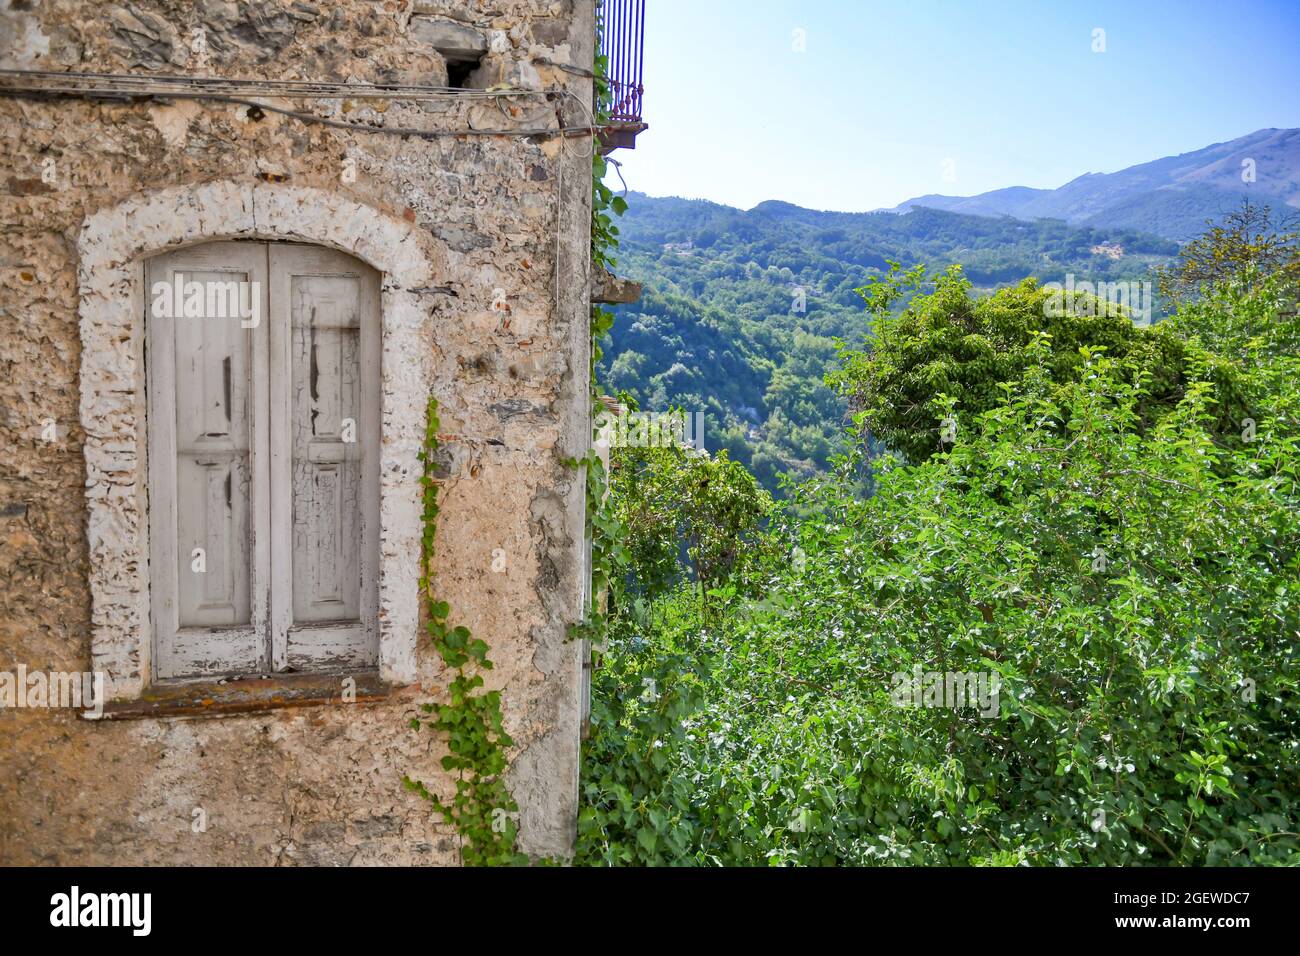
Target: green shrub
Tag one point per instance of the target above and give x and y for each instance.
(948, 345)
(1127, 570)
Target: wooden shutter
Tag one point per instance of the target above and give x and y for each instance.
(208, 427)
(264, 452)
(325, 459)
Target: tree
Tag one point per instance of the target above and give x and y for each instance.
(710, 504)
(1120, 573)
(947, 358)
(1250, 244)
(1128, 596)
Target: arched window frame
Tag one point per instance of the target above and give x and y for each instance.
(113, 245)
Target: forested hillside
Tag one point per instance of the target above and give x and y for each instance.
(742, 309)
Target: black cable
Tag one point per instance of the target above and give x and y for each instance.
(39, 94)
(127, 87)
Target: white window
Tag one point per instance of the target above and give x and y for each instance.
(263, 419)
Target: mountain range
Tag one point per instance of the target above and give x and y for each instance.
(1170, 197)
(742, 309)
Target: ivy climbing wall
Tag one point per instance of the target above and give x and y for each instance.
(479, 224)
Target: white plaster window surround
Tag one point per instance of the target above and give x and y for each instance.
(113, 245)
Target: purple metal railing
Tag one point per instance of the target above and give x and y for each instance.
(621, 41)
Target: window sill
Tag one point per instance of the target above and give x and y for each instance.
(252, 695)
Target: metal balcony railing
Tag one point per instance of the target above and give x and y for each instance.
(621, 41)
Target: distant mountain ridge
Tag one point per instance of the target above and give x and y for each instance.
(1170, 197)
(742, 308)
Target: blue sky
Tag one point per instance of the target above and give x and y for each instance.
(885, 93)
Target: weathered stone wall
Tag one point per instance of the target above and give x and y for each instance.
(503, 224)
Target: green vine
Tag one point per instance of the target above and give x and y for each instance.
(482, 810)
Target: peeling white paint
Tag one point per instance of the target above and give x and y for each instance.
(113, 243)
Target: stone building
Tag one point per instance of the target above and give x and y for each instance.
(216, 508)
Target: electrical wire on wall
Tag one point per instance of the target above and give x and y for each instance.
(44, 85)
(121, 87)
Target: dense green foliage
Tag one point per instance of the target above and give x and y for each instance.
(743, 309)
(1126, 570)
(672, 504)
(948, 349)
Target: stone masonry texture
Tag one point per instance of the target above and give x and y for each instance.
(501, 228)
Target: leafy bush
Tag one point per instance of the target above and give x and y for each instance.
(1134, 588)
(676, 504)
(949, 353)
